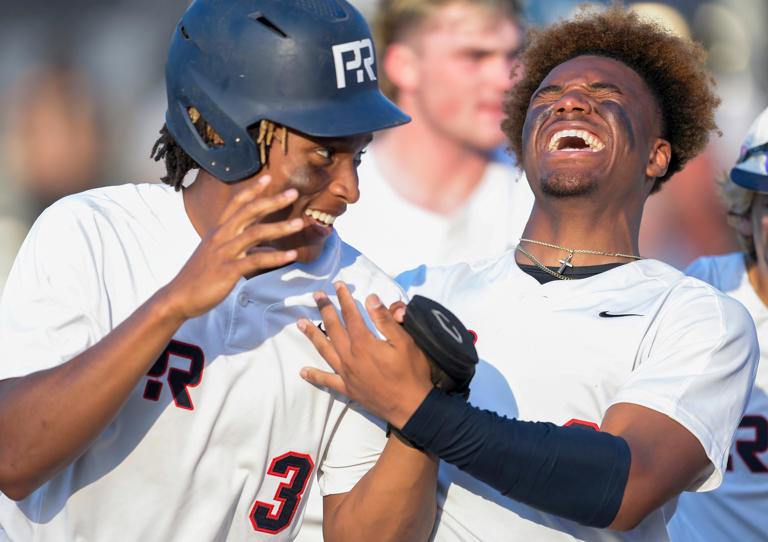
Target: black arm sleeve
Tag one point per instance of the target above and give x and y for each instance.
(575, 473)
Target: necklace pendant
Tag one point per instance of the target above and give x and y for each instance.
(566, 263)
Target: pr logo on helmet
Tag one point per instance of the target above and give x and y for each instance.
(361, 61)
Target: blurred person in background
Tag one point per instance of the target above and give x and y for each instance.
(737, 509)
(53, 145)
(433, 182)
(54, 136)
(79, 74)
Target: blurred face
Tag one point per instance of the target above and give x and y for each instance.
(593, 125)
(324, 171)
(757, 227)
(463, 56)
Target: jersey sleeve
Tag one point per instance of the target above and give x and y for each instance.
(355, 445)
(696, 365)
(357, 440)
(48, 311)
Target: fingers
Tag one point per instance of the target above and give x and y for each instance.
(251, 204)
(383, 318)
(327, 350)
(250, 193)
(397, 310)
(324, 378)
(264, 259)
(253, 210)
(349, 310)
(257, 233)
(335, 329)
(321, 343)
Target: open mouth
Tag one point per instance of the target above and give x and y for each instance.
(323, 218)
(575, 140)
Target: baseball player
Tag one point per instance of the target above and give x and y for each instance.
(434, 181)
(149, 383)
(607, 383)
(736, 510)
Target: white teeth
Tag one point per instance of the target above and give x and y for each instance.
(591, 140)
(325, 218)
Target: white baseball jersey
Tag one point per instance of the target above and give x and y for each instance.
(222, 439)
(738, 509)
(490, 222)
(565, 351)
(398, 235)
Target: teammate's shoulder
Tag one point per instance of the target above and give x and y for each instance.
(725, 271)
(651, 274)
(439, 281)
(107, 197)
(98, 208)
(357, 269)
(696, 295)
(663, 279)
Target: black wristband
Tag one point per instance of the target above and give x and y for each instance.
(574, 473)
(392, 430)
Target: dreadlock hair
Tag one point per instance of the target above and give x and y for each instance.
(178, 163)
(673, 68)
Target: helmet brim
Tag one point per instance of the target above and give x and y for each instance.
(749, 179)
(356, 114)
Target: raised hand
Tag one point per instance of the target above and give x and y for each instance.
(388, 377)
(231, 250)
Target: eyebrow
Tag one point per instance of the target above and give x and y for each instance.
(605, 86)
(548, 88)
(599, 85)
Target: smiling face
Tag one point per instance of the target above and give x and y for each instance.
(458, 70)
(324, 171)
(593, 126)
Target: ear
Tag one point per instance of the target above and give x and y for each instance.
(401, 64)
(745, 224)
(658, 160)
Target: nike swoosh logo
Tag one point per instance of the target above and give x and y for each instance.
(606, 314)
(320, 327)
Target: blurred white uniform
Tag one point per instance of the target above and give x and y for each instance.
(222, 438)
(738, 509)
(565, 351)
(398, 235)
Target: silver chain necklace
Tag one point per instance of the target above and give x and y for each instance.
(567, 261)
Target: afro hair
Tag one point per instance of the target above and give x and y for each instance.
(673, 68)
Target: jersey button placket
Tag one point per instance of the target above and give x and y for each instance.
(246, 327)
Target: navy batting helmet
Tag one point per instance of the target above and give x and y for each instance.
(305, 64)
(751, 169)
